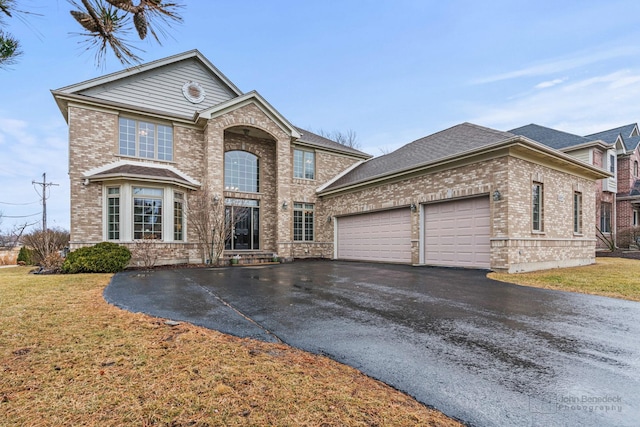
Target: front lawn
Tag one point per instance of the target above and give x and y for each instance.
(610, 277)
(69, 358)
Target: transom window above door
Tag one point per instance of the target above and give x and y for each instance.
(241, 172)
(145, 140)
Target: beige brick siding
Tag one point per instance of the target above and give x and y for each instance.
(92, 143)
(510, 217)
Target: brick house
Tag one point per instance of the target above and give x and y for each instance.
(146, 141)
(626, 140)
(594, 151)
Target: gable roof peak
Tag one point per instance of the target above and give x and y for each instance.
(138, 69)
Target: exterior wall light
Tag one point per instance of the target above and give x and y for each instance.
(284, 205)
(216, 198)
(497, 196)
(413, 207)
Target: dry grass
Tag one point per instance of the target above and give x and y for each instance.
(69, 358)
(610, 277)
(8, 257)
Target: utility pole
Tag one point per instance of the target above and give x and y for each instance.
(44, 184)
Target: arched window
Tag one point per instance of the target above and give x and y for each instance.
(241, 172)
(635, 168)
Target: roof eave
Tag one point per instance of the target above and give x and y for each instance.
(357, 154)
(142, 178)
(595, 143)
(64, 100)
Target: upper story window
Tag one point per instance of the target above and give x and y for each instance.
(304, 164)
(146, 140)
(612, 163)
(537, 207)
(241, 172)
(635, 168)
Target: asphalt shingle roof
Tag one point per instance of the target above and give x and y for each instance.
(551, 137)
(430, 149)
(610, 136)
(320, 141)
(151, 172)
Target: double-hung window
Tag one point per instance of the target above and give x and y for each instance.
(577, 212)
(303, 222)
(605, 217)
(145, 140)
(537, 212)
(304, 164)
(612, 163)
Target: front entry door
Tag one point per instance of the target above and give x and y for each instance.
(243, 222)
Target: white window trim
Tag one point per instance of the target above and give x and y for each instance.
(541, 228)
(304, 209)
(315, 171)
(126, 211)
(155, 143)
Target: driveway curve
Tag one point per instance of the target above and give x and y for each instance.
(484, 352)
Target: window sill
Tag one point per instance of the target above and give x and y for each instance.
(538, 233)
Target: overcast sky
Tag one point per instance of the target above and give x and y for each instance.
(392, 71)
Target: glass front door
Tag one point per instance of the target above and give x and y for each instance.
(243, 222)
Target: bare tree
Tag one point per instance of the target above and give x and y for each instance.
(212, 222)
(348, 138)
(45, 243)
(384, 150)
(144, 250)
(107, 24)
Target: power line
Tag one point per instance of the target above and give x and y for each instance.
(19, 216)
(19, 204)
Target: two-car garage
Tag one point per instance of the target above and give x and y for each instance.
(452, 233)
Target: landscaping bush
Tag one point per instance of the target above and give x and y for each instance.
(105, 257)
(25, 256)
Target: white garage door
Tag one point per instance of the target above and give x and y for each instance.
(379, 236)
(457, 233)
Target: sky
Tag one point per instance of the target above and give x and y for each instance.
(392, 71)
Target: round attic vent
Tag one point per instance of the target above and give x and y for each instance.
(193, 92)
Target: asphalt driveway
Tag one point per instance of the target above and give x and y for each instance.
(484, 352)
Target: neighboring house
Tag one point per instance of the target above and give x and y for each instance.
(591, 150)
(146, 141)
(626, 139)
